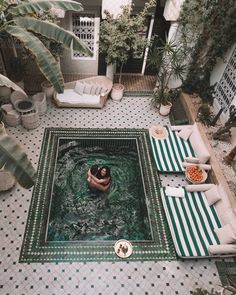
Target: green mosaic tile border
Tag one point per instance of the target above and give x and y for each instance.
(36, 249)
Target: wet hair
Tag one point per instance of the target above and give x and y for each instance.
(108, 174)
(94, 169)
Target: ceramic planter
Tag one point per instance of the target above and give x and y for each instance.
(47, 88)
(165, 109)
(117, 92)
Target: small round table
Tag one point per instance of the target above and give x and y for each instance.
(25, 106)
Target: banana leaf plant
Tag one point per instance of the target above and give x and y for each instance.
(14, 160)
(22, 21)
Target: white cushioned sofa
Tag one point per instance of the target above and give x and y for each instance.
(85, 93)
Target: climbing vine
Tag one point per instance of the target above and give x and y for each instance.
(208, 30)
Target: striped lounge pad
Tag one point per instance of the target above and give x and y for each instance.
(171, 152)
(191, 221)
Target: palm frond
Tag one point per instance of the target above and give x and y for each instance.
(14, 159)
(4, 81)
(53, 32)
(45, 60)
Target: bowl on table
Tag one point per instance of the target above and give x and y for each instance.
(195, 174)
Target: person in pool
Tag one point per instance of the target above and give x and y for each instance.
(99, 178)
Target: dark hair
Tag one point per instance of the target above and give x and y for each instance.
(94, 169)
(108, 174)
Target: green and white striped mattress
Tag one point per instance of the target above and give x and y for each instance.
(191, 221)
(171, 152)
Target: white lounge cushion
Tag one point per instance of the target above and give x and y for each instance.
(212, 195)
(185, 133)
(198, 145)
(225, 234)
(70, 96)
(222, 249)
(79, 87)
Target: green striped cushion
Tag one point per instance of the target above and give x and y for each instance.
(170, 153)
(192, 222)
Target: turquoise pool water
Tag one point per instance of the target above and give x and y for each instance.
(77, 214)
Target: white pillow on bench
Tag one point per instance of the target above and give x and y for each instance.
(79, 87)
(198, 145)
(225, 234)
(222, 249)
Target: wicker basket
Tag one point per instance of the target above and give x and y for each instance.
(11, 116)
(31, 120)
(40, 102)
(16, 96)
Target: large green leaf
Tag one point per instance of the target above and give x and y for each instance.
(54, 32)
(4, 81)
(45, 60)
(39, 6)
(14, 159)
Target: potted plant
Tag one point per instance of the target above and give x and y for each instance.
(120, 39)
(168, 59)
(200, 291)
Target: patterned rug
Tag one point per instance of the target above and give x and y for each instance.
(67, 222)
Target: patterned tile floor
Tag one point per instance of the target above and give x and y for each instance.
(104, 278)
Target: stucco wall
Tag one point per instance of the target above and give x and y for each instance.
(79, 66)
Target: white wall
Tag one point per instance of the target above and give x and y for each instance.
(216, 75)
(79, 66)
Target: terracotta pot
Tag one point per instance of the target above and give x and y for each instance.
(117, 92)
(165, 109)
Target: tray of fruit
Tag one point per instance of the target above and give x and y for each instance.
(195, 174)
(123, 248)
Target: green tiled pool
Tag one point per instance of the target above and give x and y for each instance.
(69, 222)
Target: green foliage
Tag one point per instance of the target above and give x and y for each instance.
(208, 30)
(14, 159)
(168, 59)
(25, 22)
(120, 38)
(205, 114)
(200, 291)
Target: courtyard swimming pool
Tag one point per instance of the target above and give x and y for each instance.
(68, 222)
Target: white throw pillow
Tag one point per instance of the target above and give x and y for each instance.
(225, 234)
(185, 133)
(198, 187)
(198, 145)
(98, 90)
(222, 249)
(103, 90)
(87, 88)
(93, 89)
(79, 87)
(192, 160)
(212, 195)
